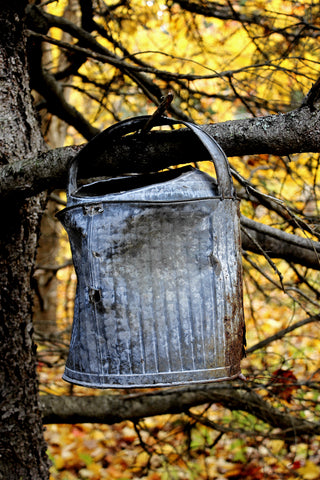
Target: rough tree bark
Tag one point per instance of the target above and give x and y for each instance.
(22, 448)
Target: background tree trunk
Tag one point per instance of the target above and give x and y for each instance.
(22, 448)
(45, 280)
(54, 130)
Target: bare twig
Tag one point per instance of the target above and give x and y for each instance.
(312, 96)
(164, 105)
(282, 333)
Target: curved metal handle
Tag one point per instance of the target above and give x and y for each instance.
(97, 144)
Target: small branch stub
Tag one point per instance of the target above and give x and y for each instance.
(164, 105)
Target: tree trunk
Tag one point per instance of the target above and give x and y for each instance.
(55, 131)
(45, 280)
(22, 447)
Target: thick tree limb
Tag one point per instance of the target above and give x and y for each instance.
(279, 244)
(284, 134)
(116, 408)
(25, 178)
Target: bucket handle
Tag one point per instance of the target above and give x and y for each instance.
(97, 145)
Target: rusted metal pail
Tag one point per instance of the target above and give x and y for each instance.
(157, 258)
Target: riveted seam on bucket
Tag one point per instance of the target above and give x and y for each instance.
(92, 209)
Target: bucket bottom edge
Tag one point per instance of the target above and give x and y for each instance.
(152, 380)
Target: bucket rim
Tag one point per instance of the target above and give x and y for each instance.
(170, 382)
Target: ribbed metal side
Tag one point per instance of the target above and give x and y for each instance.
(159, 298)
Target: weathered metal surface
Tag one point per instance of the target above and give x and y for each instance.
(159, 294)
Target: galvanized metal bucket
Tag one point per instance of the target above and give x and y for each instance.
(157, 258)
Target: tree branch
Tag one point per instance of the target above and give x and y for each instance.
(56, 103)
(117, 408)
(25, 178)
(279, 244)
(96, 50)
(312, 96)
(283, 134)
(87, 22)
(223, 12)
(282, 333)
